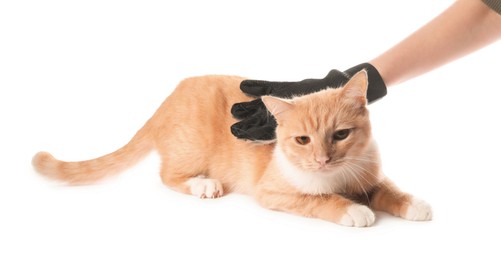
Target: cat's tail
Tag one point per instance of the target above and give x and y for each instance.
(85, 172)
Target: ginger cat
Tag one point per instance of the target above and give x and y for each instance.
(324, 163)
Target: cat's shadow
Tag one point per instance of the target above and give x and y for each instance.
(383, 218)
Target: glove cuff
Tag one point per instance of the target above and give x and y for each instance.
(376, 88)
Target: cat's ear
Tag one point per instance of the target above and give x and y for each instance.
(277, 106)
(355, 90)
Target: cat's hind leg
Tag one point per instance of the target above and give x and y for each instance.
(205, 188)
(195, 184)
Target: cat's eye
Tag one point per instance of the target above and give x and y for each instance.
(303, 140)
(341, 134)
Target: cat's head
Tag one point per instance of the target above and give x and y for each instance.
(317, 132)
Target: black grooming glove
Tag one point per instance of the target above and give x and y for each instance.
(256, 124)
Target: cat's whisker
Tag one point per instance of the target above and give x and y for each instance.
(354, 174)
(379, 182)
(344, 179)
(375, 183)
(365, 171)
(361, 159)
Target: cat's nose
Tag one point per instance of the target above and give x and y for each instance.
(322, 160)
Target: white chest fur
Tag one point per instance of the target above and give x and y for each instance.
(307, 182)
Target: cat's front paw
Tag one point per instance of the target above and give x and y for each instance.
(358, 216)
(418, 210)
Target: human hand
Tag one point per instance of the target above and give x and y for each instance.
(256, 124)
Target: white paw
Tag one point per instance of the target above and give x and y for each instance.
(205, 188)
(358, 216)
(418, 210)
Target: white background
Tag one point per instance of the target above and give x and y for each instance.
(78, 78)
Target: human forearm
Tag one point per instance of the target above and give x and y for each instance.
(465, 27)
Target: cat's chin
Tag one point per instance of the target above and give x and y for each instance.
(332, 169)
(324, 170)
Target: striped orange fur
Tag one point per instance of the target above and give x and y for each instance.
(324, 163)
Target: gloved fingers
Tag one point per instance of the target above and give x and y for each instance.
(333, 79)
(262, 134)
(259, 127)
(261, 88)
(257, 134)
(256, 88)
(336, 74)
(336, 78)
(245, 109)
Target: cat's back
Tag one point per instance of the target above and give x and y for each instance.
(203, 96)
(202, 103)
(211, 87)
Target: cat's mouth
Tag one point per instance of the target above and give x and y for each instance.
(328, 168)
